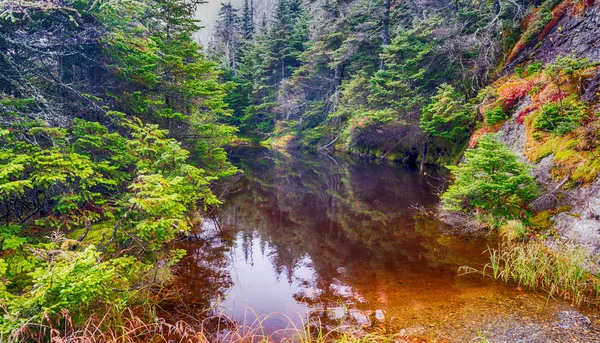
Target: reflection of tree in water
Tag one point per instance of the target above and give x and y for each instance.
(352, 220)
(201, 278)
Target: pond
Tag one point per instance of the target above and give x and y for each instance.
(344, 240)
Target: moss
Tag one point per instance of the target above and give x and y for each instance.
(542, 151)
(587, 172)
(541, 221)
(566, 155)
(95, 235)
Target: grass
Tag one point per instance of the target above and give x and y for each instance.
(513, 230)
(562, 272)
(130, 328)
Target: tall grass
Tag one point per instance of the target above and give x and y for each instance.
(563, 271)
(132, 329)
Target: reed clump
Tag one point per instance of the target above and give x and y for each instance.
(563, 271)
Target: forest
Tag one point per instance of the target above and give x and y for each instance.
(117, 126)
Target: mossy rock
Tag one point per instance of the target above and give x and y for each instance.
(541, 221)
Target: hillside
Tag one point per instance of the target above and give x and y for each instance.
(562, 150)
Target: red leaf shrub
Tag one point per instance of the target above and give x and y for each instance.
(512, 92)
(525, 112)
(475, 137)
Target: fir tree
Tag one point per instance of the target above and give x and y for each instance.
(248, 19)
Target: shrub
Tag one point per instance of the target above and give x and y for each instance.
(447, 116)
(495, 115)
(560, 117)
(519, 71)
(534, 68)
(491, 181)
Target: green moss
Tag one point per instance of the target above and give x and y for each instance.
(587, 172)
(544, 150)
(541, 221)
(566, 155)
(95, 234)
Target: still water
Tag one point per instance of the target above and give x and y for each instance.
(344, 241)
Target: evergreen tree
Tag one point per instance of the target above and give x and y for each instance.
(491, 180)
(248, 19)
(227, 36)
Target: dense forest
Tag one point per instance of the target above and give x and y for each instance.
(114, 125)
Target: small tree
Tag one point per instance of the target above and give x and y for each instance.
(491, 181)
(446, 117)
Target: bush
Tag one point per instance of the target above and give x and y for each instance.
(447, 116)
(560, 117)
(495, 115)
(492, 182)
(534, 68)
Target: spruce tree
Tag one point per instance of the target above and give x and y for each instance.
(248, 19)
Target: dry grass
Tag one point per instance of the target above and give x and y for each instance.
(130, 328)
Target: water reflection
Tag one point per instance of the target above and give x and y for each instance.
(340, 239)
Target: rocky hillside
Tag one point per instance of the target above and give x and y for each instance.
(545, 108)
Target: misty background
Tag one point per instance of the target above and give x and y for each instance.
(208, 14)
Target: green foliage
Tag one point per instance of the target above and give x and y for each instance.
(491, 181)
(566, 66)
(75, 158)
(71, 281)
(534, 68)
(165, 188)
(447, 116)
(560, 117)
(495, 115)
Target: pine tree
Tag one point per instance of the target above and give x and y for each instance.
(227, 36)
(491, 180)
(248, 19)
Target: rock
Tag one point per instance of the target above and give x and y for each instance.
(512, 134)
(578, 36)
(582, 224)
